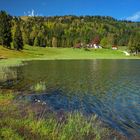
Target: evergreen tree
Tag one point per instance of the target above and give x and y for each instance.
(42, 39)
(104, 42)
(26, 37)
(36, 41)
(5, 29)
(64, 31)
(17, 40)
(33, 35)
(134, 43)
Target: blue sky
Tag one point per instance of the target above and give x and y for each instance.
(120, 9)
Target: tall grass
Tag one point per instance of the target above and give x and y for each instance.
(34, 122)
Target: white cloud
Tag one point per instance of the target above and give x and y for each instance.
(31, 13)
(134, 17)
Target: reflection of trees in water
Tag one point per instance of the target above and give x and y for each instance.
(11, 77)
(96, 77)
(73, 77)
(7, 77)
(7, 73)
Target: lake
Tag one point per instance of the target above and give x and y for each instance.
(108, 88)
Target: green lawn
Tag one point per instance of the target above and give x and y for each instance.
(29, 53)
(64, 53)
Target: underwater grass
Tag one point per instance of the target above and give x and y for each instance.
(39, 87)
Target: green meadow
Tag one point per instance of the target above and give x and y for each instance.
(12, 57)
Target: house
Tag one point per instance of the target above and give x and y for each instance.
(93, 45)
(97, 46)
(114, 47)
(96, 43)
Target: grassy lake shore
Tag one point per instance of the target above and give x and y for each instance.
(24, 121)
(12, 57)
(34, 124)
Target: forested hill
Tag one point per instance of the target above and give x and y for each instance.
(67, 31)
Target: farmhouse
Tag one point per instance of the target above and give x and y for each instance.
(96, 43)
(114, 47)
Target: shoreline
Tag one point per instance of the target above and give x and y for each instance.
(43, 113)
(10, 62)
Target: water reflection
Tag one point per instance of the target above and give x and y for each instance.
(7, 77)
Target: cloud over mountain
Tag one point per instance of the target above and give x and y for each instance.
(134, 17)
(31, 13)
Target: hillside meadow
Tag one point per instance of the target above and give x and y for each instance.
(12, 56)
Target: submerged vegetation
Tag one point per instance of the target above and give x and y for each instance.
(34, 121)
(39, 87)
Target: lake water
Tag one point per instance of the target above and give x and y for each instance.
(108, 88)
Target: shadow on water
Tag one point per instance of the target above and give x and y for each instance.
(108, 88)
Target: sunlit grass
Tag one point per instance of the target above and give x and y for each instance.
(6, 98)
(13, 57)
(9, 134)
(11, 62)
(63, 53)
(75, 127)
(20, 121)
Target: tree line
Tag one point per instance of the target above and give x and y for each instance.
(67, 31)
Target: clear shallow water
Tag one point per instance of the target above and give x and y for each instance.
(109, 88)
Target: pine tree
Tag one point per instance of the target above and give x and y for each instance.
(18, 41)
(104, 42)
(26, 37)
(33, 35)
(131, 44)
(5, 29)
(36, 41)
(134, 43)
(42, 39)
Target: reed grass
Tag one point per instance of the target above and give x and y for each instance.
(21, 122)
